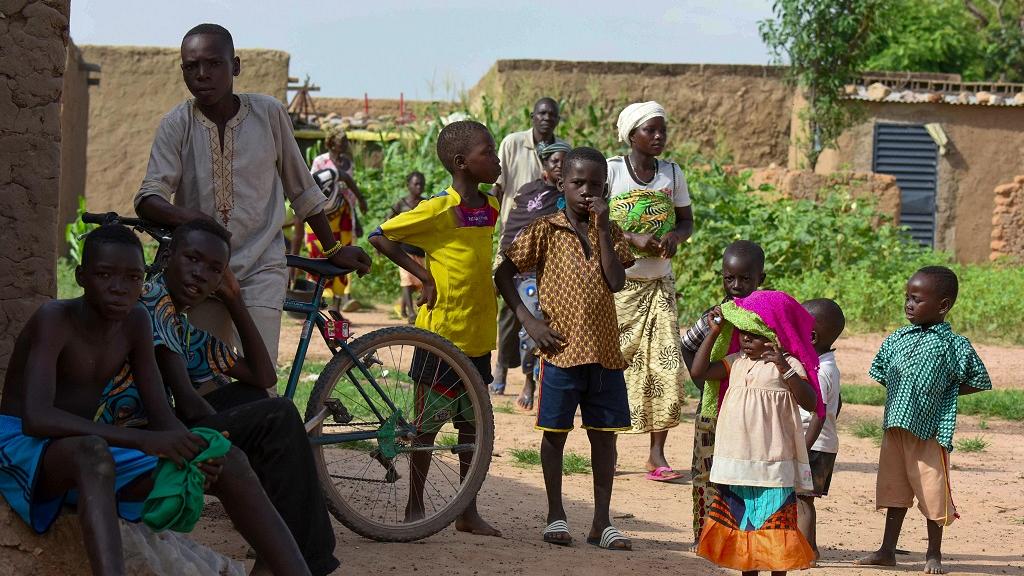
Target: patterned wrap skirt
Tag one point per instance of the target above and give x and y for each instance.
(754, 528)
(649, 338)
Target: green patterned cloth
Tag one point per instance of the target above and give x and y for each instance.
(734, 318)
(922, 369)
(643, 211)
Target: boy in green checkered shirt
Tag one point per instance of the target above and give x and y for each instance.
(924, 367)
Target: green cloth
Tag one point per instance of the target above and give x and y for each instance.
(734, 317)
(176, 501)
(922, 370)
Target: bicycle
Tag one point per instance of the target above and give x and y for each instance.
(399, 420)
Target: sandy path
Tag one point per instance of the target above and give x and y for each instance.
(988, 487)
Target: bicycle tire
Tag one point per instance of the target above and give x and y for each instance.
(468, 487)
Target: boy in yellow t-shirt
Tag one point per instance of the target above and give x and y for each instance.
(454, 228)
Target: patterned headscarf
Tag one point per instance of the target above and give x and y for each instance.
(544, 151)
(634, 115)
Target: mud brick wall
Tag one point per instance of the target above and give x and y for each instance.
(805, 184)
(745, 109)
(74, 127)
(33, 50)
(1008, 221)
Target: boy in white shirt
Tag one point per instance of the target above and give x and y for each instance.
(822, 437)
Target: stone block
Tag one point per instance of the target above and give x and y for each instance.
(878, 91)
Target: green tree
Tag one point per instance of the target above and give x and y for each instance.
(1001, 27)
(826, 43)
(928, 36)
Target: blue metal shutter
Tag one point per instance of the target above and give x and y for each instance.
(907, 152)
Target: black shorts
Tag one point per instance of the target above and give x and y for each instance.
(822, 464)
(425, 369)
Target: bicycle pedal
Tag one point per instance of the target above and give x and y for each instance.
(338, 411)
(371, 359)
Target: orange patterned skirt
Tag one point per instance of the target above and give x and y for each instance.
(754, 528)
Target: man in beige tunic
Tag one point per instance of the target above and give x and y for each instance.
(233, 158)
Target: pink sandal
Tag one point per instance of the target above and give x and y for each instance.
(663, 474)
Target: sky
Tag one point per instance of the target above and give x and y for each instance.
(435, 49)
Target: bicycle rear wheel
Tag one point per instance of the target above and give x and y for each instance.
(423, 457)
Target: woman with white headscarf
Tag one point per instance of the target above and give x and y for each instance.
(650, 201)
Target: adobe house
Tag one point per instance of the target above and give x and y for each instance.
(948, 143)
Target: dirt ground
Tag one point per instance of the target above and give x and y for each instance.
(988, 487)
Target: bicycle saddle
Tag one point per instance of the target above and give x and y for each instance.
(317, 266)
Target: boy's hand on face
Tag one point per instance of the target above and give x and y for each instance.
(229, 289)
(599, 208)
(669, 244)
(352, 258)
(549, 341)
(178, 446)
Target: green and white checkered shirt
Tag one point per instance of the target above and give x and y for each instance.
(922, 370)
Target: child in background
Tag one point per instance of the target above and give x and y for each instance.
(924, 367)
(579, 257)
(820, 434)
(742, 273)
(415, 182)
(341, 213)
(454, 229)
(759, 348)
(535, 199)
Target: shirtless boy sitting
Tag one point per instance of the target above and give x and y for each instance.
(71, 356)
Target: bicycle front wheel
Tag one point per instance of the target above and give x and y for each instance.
(402, 437)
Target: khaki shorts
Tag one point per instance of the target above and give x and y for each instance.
(909, 468)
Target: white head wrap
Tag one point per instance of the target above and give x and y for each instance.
(634, 115)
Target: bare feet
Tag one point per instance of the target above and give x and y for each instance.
(470, 521)
(525, 400)
(933, 565)
(879, 558)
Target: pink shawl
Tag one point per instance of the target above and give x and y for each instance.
(793, 326)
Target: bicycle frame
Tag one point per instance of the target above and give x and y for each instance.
(315, 319)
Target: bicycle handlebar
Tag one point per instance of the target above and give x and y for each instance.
(157, 232)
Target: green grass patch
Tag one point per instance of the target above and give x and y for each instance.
(869, 395)
(972, 444)
(691, 390)
(867, 429)
(503, 408)
(1005, 404)
(525, 456)
(573, 463)
(983, 424)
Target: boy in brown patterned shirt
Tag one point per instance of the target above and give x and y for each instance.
(580, 259)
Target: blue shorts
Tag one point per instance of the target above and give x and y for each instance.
(599, 392)
(20, 456)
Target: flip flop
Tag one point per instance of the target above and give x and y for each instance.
(663, 474)
(557, 527)
(496, 388)
(609, 536)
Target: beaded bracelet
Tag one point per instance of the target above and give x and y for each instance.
(332, 250)
(789, 373)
